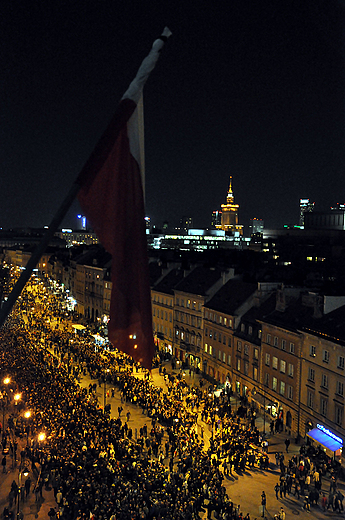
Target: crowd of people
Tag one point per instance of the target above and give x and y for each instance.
(302, 477)
(97, 466)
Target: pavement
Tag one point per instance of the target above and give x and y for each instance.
(244, 489)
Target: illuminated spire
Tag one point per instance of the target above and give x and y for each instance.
(230, 196)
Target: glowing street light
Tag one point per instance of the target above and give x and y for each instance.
(42, 436)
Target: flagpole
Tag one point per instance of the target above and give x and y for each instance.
(141, 77)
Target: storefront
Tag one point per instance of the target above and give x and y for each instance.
(331, 443)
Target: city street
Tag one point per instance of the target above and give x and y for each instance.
(244, 489)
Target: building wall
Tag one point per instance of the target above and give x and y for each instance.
(322, 395)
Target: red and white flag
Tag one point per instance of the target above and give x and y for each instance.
(111, 196)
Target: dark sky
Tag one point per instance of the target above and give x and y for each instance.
(243, 88)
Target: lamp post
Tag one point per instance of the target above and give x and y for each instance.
(24, 472)
(27, 416)
(104, 390)
(6, 381)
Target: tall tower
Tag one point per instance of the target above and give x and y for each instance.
(229, 218)
(305, 206)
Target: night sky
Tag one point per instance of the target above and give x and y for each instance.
(252, 89)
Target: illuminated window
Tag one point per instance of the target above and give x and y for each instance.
(274, 383)
(282, 388)
(290, 369)
(290, 392)
(282, 366)
(275, 362)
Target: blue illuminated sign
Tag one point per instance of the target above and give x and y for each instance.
(329, 433)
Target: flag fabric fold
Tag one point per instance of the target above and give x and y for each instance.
(111, 196)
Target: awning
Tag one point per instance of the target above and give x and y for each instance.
(78, 327)
(326, 438)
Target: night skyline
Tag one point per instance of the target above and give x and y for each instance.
(256, 92)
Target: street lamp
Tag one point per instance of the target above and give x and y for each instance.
(104, 390)
(27, 416)
(24, 472)
(6, 381)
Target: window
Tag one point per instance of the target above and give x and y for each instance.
(211, 333)
(239, 346)
(282, 388)
(246, 368)
(219, 355)
(268, 339)
(206, 347)
(323, 406)
(310, 400)
(259, 333)
(267, 360)
(283, 344)
(339, 415)
(325, 356)
(215, 336)
(324, 381)
(340, 388)
(267, 379)
(312, 351)
(292, 348)
(229, 359)
(238, 364)
(341, 362)
(225, 321)
(290, 369)
(274, 383)
(242, 327)
(250, 330)
(182, 302)
(188, 304)
(210, 350)
(290, 392)
(275, 362)
(282, 366)
(246, 349)
(206, 314)
(255, 373)
(224, 357)
(276, 341)
(311, 374)
(256, 353)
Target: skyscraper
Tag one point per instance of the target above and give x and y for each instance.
(229, 217)
(305, 206)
